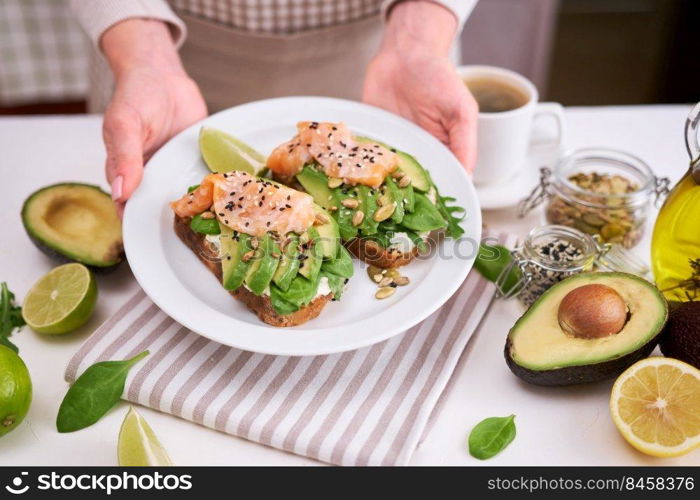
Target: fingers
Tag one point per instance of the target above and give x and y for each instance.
(462, 136)
(122, 131)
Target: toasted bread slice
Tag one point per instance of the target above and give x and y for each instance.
(370, 252)
(259, 304)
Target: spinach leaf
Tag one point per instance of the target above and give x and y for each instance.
(192, 188)
(335, 283)
(425, 216)
(491, 262)
(205, 226)
(491, 436)
(341, 266)
(10, 316)
(454, 230)
(94, 393)
(301, 291)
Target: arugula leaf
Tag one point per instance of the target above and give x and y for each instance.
(454, 230)
(491, 436)
(10, 316)
(205, 226)
(94, 393)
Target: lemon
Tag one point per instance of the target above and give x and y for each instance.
(138, 445)
(15, 390)
(655, 405)
(62, 300)
(224, 153)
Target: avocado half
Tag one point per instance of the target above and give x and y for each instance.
(540, 352)
(75, 222)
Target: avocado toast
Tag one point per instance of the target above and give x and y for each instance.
(384, 202)
(271, 246)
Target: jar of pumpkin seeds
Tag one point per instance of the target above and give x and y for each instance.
(550, 254)
(598, 191)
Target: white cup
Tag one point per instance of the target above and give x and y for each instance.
(504, 137)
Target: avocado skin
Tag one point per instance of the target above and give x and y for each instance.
(583, 374)
(55, 253)
(681, 335)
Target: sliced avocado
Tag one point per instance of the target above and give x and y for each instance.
(420, 179)
(368, 204)
(311, 255)
(233, 246)
(344, 215)
(315, 183)
(407, 164)
(329, 235)
(75, 222)
(266, 260)
(396, 195)
(539, 351)
(289, 263)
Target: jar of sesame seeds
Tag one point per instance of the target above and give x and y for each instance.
(552, 253)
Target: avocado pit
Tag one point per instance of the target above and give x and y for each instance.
(592, 311)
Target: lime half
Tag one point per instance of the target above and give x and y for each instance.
(224, 153)
(15, 390)
(138, 445)
(61, 301)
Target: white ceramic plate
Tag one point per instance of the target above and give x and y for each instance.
(178, 283)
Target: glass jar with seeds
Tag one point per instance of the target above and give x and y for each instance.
(552, 253)
(601, 192)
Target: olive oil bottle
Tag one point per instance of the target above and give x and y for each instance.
(675, 247)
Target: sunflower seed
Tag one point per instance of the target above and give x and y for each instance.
(402, 280)
(248, 255)
(207, 215)
(405, 181)
(322, 219)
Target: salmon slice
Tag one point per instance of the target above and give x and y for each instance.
(335, 149)
(250, 205)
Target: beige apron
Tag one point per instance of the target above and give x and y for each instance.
(233, 66)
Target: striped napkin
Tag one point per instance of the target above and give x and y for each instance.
(365, 407)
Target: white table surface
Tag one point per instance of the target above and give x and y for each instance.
(556, 426)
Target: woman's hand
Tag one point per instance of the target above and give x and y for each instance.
(412, 76)
(153, 100)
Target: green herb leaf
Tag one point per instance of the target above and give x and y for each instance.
(449, 213)
(341, 266)
(205, 226)
(94, 393)
(491, 436)
(425, 217)
(10, 316)
(491, 262)
(192, 188)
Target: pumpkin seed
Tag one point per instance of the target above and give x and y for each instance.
(384, 212)
(334, 182)
(358, 218)
(386, 281)
(385, 292)
(402, 280)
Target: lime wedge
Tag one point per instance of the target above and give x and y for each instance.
(61, 301)
(224, 153)
(138, 445)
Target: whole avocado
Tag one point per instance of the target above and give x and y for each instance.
(681, 336)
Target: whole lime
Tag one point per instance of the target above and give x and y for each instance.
(15, 390)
